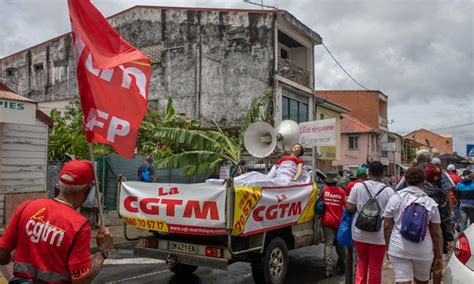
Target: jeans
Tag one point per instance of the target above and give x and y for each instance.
(329, 238)
(465, 213)
(369, 261)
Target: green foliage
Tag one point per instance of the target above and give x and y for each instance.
(149, 144)
(68, 135)
(199, 151)
(259, 110)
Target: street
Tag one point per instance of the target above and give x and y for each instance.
(306, 266)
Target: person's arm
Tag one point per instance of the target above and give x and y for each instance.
(351, 207)
(299, 171)
(86, 275)
(437, 238)
(9, 239)
(387, 229)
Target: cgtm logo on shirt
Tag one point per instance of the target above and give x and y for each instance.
(40, 230)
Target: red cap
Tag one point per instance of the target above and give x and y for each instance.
(80, 171)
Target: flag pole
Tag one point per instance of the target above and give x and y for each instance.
(97, 193)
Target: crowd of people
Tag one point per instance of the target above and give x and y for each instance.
(411, 219)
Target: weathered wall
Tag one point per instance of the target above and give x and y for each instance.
(23, 156)
(212, 63)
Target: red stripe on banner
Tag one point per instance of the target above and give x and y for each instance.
(267, 229)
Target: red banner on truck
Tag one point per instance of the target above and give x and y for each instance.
(194, 209)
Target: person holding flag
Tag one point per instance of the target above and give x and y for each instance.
(52, 240)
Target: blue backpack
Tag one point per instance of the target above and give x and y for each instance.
(414, 222)
(146, 174)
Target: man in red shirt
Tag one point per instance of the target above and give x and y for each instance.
(51, 239)
(451, 170)
(361, 177)
(334, 198)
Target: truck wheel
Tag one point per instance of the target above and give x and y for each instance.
(273, 266)
(183, 269)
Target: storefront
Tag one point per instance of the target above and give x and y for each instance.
(24, 151)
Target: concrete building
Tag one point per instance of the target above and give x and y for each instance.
(326, 109)
(361, 144)
(440, 144)
(212, 62)
(370, 107)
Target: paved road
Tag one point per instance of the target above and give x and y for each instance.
(306, 266)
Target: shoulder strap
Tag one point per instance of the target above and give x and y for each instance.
(380, 191)
(370, 194)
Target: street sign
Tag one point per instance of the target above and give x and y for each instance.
(470, 150)
(318, 133)
(389, 146)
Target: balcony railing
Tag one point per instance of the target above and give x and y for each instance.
(293, 72)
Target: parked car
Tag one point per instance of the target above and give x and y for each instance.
(460, 268)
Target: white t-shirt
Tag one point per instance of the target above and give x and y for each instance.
(359, 196)
(399, 246)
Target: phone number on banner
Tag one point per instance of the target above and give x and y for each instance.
(142, 223)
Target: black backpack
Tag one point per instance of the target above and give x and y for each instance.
(370, 217)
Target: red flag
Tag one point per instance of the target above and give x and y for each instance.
(113, 79)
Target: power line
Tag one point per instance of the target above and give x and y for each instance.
(443, 128)
(347, 73)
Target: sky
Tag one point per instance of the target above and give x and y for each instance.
(420, 53)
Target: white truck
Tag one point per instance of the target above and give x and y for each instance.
(191, 225)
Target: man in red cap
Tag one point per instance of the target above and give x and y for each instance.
(52, 240)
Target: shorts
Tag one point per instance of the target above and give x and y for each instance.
(406, 269)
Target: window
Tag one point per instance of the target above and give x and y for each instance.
(294, 110)
(10, 72)
(283, 53)
(38, 66)
(353, 142)
(321, 116)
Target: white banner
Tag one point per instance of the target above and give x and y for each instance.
(195, 209)
(259, 209)
(318, 133)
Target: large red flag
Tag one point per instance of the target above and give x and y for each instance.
(113, 79)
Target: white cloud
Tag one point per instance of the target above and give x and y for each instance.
(418, 52)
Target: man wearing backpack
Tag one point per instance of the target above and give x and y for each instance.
(368, 200)
(413, 232)
(146, 173)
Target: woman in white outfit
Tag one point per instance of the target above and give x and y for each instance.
(286, 171)
(413, 260)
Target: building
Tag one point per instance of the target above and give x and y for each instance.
(325, 109)
(362, 144)
(370, 107)
(441, 144)
(409, 149)
(23, 151)
(212, 62)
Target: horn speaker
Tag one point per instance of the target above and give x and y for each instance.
(260, 139)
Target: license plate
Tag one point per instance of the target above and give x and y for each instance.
(187, 248)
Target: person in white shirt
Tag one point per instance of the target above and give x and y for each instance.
(413, 260)
(370, 246)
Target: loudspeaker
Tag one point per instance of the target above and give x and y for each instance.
(260, 139)
(288, 133)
